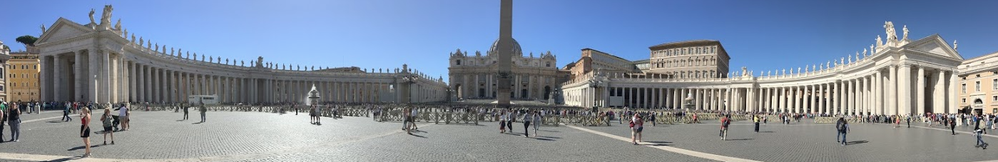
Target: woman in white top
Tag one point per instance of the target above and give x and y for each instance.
(502, 122)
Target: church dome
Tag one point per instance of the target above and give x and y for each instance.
(516, 47)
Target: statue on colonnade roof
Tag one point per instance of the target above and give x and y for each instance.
(92, 11)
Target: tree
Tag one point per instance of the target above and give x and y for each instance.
(27, 40)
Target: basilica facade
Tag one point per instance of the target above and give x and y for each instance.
(895, 76)
(474, 76)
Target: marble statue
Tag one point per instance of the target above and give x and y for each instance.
(133, 37)
(954, 44)
(141, 41)
(157, 47)
(149, 44)
(219, 60)
(117, 25)
(43, 28)
(188, 55)
(872, 50)
(850, 58)
(904, 29)
(744, 70)
(171, 49)
(891, 34)
(106, 16)
(857, 56)
(784, 72)
(879, 41)
(211, 59)
(864, 52)
(202, 57)
(226, 61)
(92, 16)
(124, 32)
(828, 64)
(313, 67)
(243, 63)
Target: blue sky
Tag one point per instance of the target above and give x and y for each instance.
(760, 35)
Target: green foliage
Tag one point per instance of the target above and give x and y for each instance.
(27, 39)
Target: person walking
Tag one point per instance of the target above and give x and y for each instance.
(311, 115)
(755, 118)
(85, 130)
(537, 122)
(843, 128)
(509, 121)
(65, 112)
(502, 122)
(637, 125)
(978, 131)
(123, 116)
(203, 110)
(952, 126)
(186, 110)
(526, 124)
(414, 117)
(405, 118)
(3, 117)
(106, 121)
(14, 121)
(725, 121)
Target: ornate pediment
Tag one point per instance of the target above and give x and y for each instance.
(63, 29)
(934, 44)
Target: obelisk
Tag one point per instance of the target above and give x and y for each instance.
(505, 51)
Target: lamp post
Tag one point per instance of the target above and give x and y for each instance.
(409, 79)
(95, 90)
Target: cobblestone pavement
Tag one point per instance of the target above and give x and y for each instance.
(816, 142)
(254, 136)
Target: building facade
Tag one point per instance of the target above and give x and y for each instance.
(897, 76)
(475, 77)
(978, 83)
(4, 57)
(22, 76)
(689, 59)
(96, 62)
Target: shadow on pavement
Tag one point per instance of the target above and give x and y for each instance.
(740, 139)
(65, 159)
(857, 142)
(56, 121)
(83, 147)
(765, 131)
(658, 143)
(416, 135)
(197, 123)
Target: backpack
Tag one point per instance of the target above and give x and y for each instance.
(726, 122)
(107, 121)
(840, 126)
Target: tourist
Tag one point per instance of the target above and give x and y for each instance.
(725, 121)
(3, 117)
(978, 131)
(637, 125)
(85, 130)
(123, 116)
(312, 116)
(14, 121)
(526, 124)
(537, 122)
(509, 121)
(843, 128)
(405, 118)
(502, 122)
(755, 119)
(952, 126)
(106, 120)
(414, 117)
(651, 118)
(186, 108)
(408, 120)
(203, 110)
(65, 112)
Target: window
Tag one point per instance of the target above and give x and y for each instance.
(36, 67)
(994, 98)
(977, 86)
(13, 84)
(964, 100)
(994, 84)
(458, 62)
(964, 89)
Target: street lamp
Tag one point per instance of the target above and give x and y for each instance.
(409, 79)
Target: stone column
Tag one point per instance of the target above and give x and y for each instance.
(850, 100)
(953, 83)
(59, 87)
(860, 97)
(836, 99)
(939, 93)
(823, 98)
(878, 92)
(920, 91)
(892, 95)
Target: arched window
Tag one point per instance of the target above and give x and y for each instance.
(458, 62)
